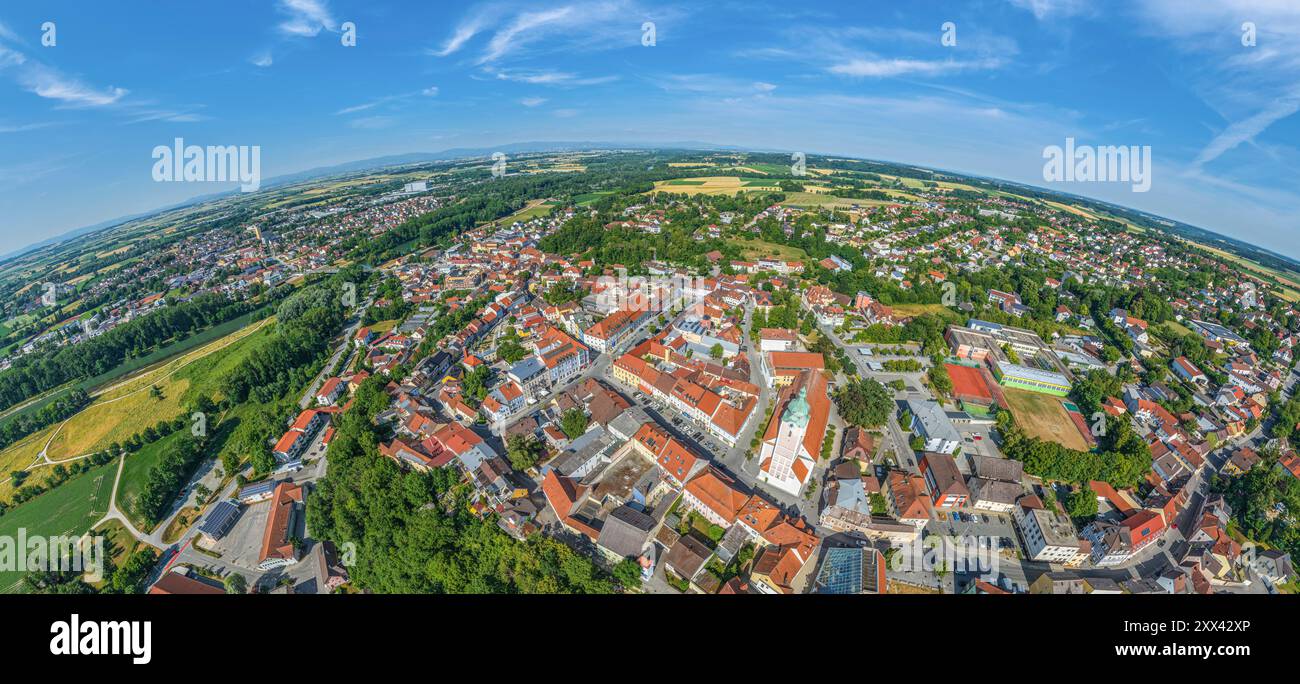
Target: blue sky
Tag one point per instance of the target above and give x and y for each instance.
(79, 120)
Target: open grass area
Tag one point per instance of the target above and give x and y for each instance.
(139, 367)
(131, 405)
(918, 309)
(118, 542)
(135, 472)
(24, 452)
(1043, 416)
(589, 197)
(1178, 328)
(69, 509)
(381, 327)
(532, 210)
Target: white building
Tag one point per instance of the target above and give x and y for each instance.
(1049, 536)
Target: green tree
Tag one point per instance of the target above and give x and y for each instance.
(523, 452)
(574, 423)
(627, 573)
(864, 403)
(236, 584)
(1082, 503)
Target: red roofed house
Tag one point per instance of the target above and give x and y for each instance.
(278, 549)
(296, 439)
(716, 496)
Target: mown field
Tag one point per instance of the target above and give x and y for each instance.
(1043, 416)
(131, 405)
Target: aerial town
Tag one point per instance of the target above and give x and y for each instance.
(652, 372)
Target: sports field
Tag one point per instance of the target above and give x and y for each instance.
(1043, 416)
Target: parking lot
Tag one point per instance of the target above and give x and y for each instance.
(243, 543)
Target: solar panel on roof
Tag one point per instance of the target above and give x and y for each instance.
(220, 520)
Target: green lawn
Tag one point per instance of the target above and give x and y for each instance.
(136, 472)
(69, 509)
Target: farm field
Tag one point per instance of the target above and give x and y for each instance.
(69, 509)
(712, 185)
(1043, 416)
(131, 406)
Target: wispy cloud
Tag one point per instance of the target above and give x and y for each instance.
(1253, 88)
(306, 18)
(516, 37)
(532, 101)
(263, 60)
(50, 83)
(556, 78)
(7, 34)
(23, 128)
(881, 68)
(431, 91)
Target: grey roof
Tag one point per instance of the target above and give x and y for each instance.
(688, 556)
(258, 488)
(527, 368)
(732, 541)
(934, 422)
(626, 531)
(850, 494)
(1006, 469)
(996, 491)
(627, 423)
(581, 451)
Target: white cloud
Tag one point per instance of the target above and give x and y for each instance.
(764, 87)
(880, 68)
(51, 84)
(262, 60)
(556, 78)
(532, 101)
(1245, 130)
(505, 40)
(306, 17)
